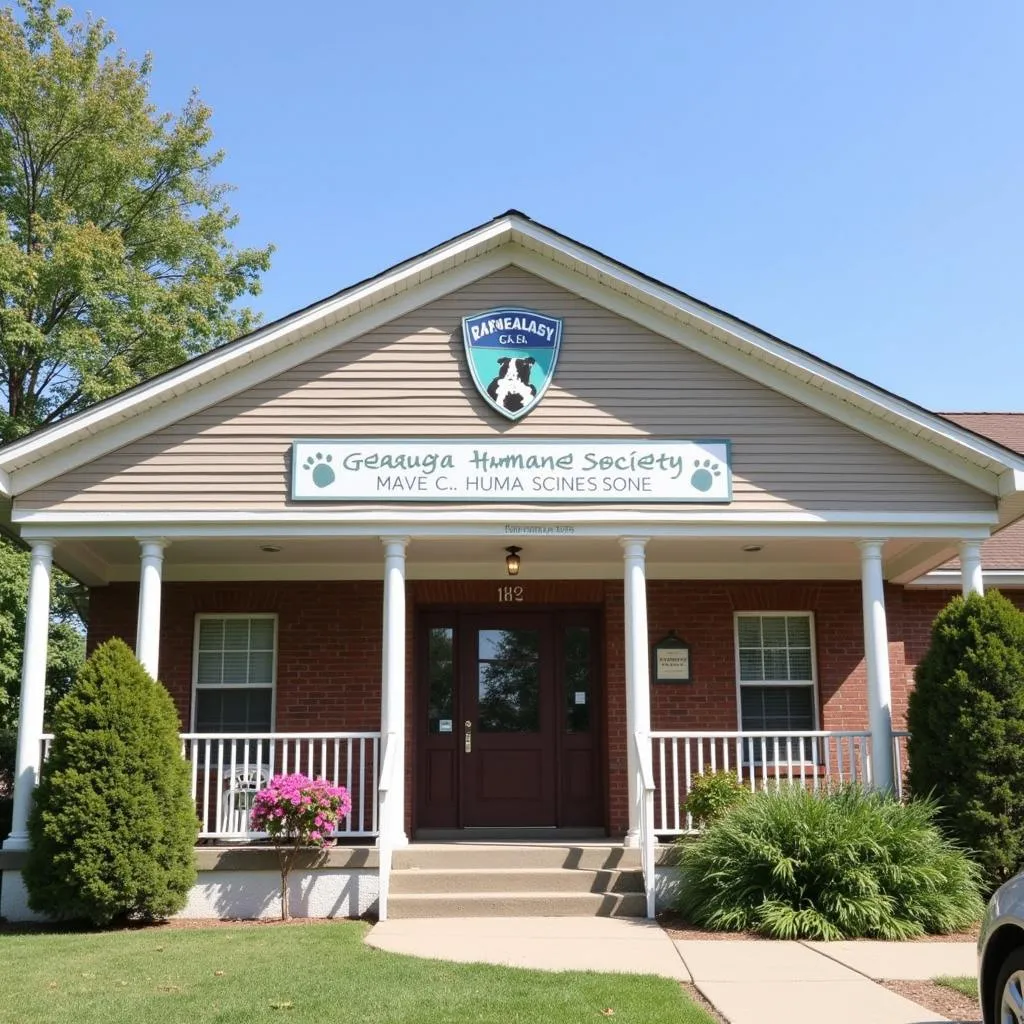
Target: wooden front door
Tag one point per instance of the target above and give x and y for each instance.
(508, 719)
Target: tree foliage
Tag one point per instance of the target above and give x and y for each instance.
(966, 723)
(114, 825)
(115, 261)
(66, 648)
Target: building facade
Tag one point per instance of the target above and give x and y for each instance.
(512, 537)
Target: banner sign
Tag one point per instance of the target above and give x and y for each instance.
(497, 470)
(511, 355)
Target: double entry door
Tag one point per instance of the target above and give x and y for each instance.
(508, 719)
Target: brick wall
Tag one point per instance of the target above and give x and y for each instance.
(329, 638)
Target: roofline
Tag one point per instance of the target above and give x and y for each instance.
(99, 417)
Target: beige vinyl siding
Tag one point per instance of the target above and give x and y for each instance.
(409, 378)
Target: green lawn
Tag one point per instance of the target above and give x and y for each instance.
(968, 986)
(296, 974)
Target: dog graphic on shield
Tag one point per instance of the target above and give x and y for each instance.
(512, 355)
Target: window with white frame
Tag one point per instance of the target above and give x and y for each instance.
(775, 674)
(234, 673)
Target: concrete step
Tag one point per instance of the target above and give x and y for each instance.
(501, 856)
(521, 904)
(515, 880)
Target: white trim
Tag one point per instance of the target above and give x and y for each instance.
(243, 523)
(199, 617)
(740, 683)
(949, 579)
(545, 569)
(54, 450)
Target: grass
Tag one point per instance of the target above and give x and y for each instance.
(966, 986)
(294, 975)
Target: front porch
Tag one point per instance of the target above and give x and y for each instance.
(650, 740)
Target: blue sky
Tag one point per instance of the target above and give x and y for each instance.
(848, 176)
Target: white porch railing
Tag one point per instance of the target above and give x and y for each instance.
(229, 769)
(645, 781)
(758, 759)
(384, 840)
(900, 763)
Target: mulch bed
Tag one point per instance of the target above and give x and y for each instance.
(939, 999)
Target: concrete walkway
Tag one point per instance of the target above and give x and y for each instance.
(749, 982)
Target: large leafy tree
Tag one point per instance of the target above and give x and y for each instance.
(115, 257)
(115, 260)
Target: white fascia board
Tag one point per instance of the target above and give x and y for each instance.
(799, 365)
(5, 484)
(949, 579)
(220, 362)
(1011, 482)
(510, 524)
(802, 387)
(608, 569)
(247, 375)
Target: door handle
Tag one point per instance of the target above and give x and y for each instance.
(469, 736)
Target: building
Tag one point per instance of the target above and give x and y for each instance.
(729, 552)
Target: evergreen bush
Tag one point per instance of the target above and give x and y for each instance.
(966, 723)
(792, 864)
(113, 828)
(712, 795)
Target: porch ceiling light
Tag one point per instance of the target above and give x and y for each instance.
(751, 548)
(512, 560)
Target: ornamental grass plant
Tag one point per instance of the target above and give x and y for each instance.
(839, 864)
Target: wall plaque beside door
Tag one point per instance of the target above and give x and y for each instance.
(670, 660)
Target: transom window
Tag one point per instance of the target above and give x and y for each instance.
(775, 672)
(234, 673)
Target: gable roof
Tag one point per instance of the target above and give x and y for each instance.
(513, 238)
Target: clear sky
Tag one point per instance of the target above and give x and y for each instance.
(846, 175)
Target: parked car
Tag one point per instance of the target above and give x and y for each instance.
(1001, 955)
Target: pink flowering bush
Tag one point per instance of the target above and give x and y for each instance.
(297, 811)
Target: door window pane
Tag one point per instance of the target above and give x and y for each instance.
(577, 679)
(508, 674)
(440, 675)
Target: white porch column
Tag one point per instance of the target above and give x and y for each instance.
(970, 567)
(33, 692)
(147, 632)
(876, 657)
(638, 673)
(392, 711)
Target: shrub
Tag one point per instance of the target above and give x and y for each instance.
(966, 722)
(793, 864)
(297, 811)
(114, 827)
(711, 795)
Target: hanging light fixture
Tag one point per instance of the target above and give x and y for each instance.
(512, 560)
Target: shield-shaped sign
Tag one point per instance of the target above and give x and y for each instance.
(512, 355)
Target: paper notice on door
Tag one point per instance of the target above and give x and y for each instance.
(444, 725)
(581, 698)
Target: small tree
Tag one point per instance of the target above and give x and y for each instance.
(114, 827)
(966, 722)
(297, 811)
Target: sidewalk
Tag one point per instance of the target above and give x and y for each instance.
(748, 982)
